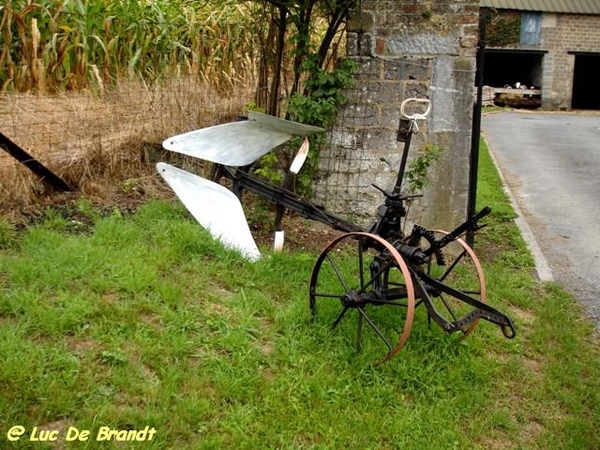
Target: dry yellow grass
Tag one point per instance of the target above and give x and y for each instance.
(96, 142)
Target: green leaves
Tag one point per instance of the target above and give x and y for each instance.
(416, 175)
(323, 94)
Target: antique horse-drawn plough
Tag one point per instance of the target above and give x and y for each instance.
(369, 273)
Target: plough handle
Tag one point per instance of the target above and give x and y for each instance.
(469, 225)
(482, 311)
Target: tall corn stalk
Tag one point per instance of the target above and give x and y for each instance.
(71, 44)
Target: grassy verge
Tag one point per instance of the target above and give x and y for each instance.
(145, 321)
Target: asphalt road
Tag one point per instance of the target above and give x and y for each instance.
(551, 164)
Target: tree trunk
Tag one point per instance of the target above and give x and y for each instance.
(272, 107)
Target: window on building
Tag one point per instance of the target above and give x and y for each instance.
(531, 27)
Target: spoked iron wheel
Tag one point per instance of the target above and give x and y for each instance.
(348, 284)
(461, 270)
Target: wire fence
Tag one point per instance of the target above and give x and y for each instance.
(105, 142)
(98, 141)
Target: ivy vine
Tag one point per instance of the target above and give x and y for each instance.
(318, 105)
(416, 175)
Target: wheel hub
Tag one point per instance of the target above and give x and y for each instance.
(353, 299)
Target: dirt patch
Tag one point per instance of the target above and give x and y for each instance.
(300, 234)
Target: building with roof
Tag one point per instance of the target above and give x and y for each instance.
(550, 45)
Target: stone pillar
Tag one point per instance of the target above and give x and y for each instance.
(404, 48)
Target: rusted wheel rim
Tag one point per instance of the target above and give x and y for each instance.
(471, 281)
(335, 277)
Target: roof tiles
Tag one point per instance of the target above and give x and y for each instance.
(559, 6)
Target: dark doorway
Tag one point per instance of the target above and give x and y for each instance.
(507, 68)
(586, 89)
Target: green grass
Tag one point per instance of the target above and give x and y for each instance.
(146, 321)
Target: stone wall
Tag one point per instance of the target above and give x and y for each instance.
(404, 49)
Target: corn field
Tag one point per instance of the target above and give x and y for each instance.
(52, 46)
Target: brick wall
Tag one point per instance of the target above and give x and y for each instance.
(561, 34)
(404, 49)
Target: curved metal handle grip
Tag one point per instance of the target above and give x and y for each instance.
(416, 116)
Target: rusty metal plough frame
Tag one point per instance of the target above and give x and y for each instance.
(372, 273)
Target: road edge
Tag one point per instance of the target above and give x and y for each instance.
(541, 264)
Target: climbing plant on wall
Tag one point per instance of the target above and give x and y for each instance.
(503, 28)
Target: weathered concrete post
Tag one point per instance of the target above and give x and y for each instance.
(405, 48)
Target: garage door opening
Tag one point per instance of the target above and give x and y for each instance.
(586, 89)
(507, 68)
